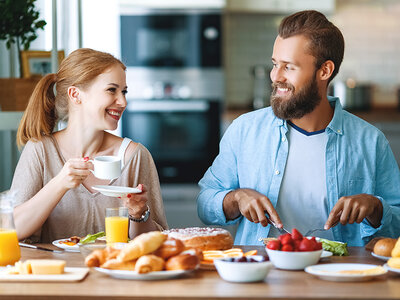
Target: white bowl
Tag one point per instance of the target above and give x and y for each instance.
(293, 260)
(243, 271)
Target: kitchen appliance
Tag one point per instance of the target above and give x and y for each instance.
(172, 53)
(353, 96)
(181, 135)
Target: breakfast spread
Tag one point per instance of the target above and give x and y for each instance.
(149, 252)
(204, 238)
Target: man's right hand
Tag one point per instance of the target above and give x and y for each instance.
(252, 205)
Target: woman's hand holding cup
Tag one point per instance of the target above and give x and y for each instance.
(74, 172)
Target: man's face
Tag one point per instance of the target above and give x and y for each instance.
(295, 88)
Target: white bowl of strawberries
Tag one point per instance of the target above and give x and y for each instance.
(293, 251)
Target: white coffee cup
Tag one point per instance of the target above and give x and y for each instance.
(106, 167)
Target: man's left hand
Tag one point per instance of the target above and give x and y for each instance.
(356, 208)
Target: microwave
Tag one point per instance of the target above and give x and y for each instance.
(171, 38)
(182, 136)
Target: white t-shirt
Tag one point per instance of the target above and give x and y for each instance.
(302, 201)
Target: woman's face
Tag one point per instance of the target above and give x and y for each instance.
(105, 99)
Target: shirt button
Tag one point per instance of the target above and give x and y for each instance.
(277, 172)
(283, 139)
(338, 130)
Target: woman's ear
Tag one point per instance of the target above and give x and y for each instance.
(74, 94)
(326, 70)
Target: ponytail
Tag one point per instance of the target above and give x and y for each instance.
(40, 116)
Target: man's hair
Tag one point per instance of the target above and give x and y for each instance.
(326, 40)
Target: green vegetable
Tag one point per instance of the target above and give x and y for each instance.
(91, 238)
(337, 248)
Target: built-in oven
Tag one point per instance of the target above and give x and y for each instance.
(181, 135)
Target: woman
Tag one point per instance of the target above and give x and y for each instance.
(55, 198)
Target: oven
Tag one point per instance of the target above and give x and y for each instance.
(181, 135)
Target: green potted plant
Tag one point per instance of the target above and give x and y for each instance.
(19, 22)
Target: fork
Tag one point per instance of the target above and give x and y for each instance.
(319, 229)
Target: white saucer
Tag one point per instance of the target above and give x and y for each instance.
(116, 191)
(384, 258)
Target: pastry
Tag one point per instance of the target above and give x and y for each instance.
(149, 263)
(170, 248)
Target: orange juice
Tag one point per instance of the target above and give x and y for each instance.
(9, 248)
(116, 229)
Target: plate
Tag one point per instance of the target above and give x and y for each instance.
(116, 191)
(70, 274)
(384, 258)
(332, 272)
(74, 248)
(325, 254)
(160, 275)
(391, 269)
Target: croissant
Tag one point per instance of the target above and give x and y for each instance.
(115, 264)
(170, 248)
(149, 263)
(141, 245)
(96, 258)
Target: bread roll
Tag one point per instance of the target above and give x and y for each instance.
(187, 260)
(384, 247)
(149, 263)
(115, 264)
(170, 247)
(143, 244)
(394, 262)
(203, 238)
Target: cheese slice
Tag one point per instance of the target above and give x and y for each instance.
(47, 266)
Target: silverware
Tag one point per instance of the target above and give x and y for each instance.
(39, 247)
(319, 229)
(282, 230)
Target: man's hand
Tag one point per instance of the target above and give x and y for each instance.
(252, 205)
(356, 208)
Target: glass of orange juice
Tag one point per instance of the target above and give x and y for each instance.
(9, 248)
(117, 223)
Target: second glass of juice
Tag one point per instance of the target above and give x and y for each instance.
(117, 223)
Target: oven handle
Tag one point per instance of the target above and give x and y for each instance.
(168, 105)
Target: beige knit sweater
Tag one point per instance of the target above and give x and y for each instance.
(80, 212)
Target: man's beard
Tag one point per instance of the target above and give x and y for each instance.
(299, 104)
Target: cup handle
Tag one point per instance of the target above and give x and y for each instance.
(91, 160)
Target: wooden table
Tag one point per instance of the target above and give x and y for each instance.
(202, 284)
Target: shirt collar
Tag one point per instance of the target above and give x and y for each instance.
(336, 124)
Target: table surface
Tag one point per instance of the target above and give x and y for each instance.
(202, 284)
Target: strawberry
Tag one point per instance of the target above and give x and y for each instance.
(287, 247)
(306, 245)
(318, 246)
(296, 244)
(296, 235)
(286, 239)
(274, 245)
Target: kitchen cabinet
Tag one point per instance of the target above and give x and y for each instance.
(279, 6)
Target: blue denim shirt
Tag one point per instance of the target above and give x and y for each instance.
(253, 154)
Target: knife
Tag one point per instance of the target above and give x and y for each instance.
(39, 247)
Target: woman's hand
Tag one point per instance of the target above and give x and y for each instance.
(137, 203)
(74, 172)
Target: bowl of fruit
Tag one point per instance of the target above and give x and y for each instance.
(243, 269)
(292, 251)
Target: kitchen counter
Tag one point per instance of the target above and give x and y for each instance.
(203, 284)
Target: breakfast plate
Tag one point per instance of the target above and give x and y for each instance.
(70, 274)
(384, 258)
(391, 269)
(69, 248)
(123, 274)
(116, 191)
(346, 271)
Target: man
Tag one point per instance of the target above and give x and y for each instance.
(304, 162)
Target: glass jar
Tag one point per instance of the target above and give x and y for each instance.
(9, 248)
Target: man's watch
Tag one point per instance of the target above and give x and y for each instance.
(143, 218)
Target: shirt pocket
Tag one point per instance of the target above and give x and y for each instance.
(359, 186)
